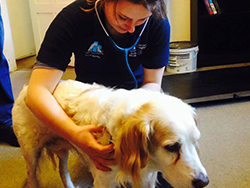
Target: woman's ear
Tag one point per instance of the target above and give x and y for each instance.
(131, 148)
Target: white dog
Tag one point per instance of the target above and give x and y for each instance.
(152, 132)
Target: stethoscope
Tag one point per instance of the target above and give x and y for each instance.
(126, 50)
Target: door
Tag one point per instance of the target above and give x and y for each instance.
(21, 28)
(8, 49)
(42, 13)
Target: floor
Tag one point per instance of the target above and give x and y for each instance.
(224, 145)
(23, 73)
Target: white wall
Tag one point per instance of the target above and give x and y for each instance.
(8, 42)
(179, 16)
(22, 33)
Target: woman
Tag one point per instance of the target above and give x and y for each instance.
(6, 96)
(94, 31)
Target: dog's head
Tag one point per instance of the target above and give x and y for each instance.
(161, 136)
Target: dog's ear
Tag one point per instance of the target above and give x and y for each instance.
(131, 148)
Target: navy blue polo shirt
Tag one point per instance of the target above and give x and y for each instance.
(96, 59)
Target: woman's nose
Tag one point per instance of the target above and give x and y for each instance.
(130, 26)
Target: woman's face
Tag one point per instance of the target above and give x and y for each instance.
(124, 16)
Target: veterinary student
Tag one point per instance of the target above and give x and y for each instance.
(6, 96)
(116, 43)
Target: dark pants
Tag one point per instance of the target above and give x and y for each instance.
(6, 95)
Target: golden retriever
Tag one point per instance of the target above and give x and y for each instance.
(151, 131)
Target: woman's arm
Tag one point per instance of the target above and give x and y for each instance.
(152, 78)
(44, 106)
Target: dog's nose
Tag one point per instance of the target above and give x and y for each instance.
(201, 181)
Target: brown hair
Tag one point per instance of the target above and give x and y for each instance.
(156, 7)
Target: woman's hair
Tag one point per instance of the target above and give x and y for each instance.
(156, 7)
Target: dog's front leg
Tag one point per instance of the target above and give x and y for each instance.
(103, 179)
(104, 183)
(63, 169)
(150, 180)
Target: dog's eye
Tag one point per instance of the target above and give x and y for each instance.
(173, 148)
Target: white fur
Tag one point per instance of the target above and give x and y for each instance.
(165, 120)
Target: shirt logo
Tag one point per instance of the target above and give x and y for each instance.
(95, 50)
(138, 50)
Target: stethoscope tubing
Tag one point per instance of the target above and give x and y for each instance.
(125, 50)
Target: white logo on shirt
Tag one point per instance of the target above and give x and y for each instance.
(137, 50)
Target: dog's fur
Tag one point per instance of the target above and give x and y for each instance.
(151, 132)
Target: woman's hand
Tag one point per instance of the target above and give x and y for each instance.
(102, 156)
(152, 79)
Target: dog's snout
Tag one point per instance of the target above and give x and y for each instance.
(201, 181)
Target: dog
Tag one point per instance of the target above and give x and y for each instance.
(152, 132)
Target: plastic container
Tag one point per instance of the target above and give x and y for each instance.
(182, 57)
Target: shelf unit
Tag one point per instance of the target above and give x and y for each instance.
(223, 39)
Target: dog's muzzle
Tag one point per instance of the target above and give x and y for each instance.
(201, 181)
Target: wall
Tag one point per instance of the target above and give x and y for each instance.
(179, 16)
